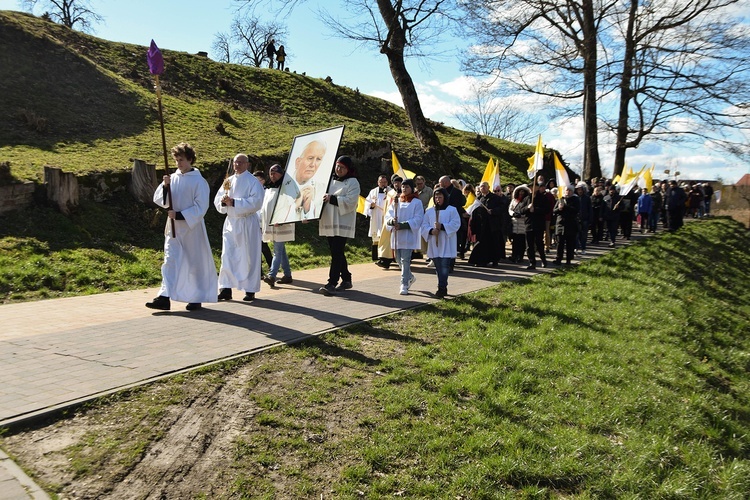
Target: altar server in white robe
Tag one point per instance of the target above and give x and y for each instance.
(375, 209)
(440, 224)
(188, 272)
(240, 198)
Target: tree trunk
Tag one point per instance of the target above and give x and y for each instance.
(62, 188)
(393, 48)
(625, 94)
(591, 163)
(143, 182)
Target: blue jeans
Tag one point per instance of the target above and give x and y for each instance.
(403, 256)
(653, 218)
(443, 268)
(280, 259)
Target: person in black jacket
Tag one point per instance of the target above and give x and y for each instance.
(585, 217)
(676, 199)
(534, 209)
(568, 210)
(611, 212)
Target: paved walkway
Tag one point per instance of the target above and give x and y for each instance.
(59, 353)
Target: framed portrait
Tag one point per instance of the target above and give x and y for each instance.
(308, 173)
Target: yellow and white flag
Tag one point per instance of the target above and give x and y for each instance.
(398, 170)
(536, 162)
(646, 180)
(561, 177)
(492, 174)
(361, 205)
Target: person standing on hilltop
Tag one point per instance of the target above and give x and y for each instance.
(280, 58)
(271, 52)
(188, 272)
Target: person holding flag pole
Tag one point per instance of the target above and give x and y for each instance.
(405, 219)
(188, 272)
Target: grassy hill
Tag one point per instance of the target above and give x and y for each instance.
(87, 104)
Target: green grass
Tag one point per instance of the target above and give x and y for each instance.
(625, 377)
(116, 246)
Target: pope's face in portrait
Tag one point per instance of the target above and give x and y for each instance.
(309, 161)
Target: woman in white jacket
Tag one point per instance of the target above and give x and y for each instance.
(405, 219)
(439, 227)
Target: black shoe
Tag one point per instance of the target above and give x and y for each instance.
(225, 294)
(249, 296)
(345, 285)
(161, 303)
(441, 293)
(544, 263)
(271, 281)
(383, 264)
(193, 306)
(285, 280)
(328, 290)
(531, 266)
(555, 262)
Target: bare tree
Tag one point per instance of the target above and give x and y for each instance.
(488, 113)
(247, 39)
(398, 29)
(222, 47)
(70, 13)
(251, 36)
(547, 47)
(683, 61)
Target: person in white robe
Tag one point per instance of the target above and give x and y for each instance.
(240, 198)
(278, 234)
(385, 253)
(188, 272)
(440, 224)
(405, 220)
(374, 210)
(338, 222)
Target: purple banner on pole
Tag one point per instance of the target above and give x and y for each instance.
(155, 60)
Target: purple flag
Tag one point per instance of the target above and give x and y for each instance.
(155, 60)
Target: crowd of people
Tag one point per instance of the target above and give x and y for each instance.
(408, 220)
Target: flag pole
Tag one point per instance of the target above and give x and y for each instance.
(156, 67)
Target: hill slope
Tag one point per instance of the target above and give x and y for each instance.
(87, 104)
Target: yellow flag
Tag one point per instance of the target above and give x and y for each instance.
(536, 162)
(398, 170)
(361, 205)
(492, 174)
(489, 172)
(470, 200)
(561, 177)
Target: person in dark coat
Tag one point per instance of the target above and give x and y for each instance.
(585, 216)
(611, 212)
(597, 215)
(489, 228)
(676, 199)
(271, 52)
(534, 209)
(568, 210)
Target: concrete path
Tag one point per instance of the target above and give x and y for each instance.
(59, 353)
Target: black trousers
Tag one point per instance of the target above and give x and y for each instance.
(266, 252)
(339, 266)
(566, 245)
(534, 243)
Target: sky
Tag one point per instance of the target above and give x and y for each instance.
(190, 26)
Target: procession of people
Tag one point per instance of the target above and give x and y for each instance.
(407, 218)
